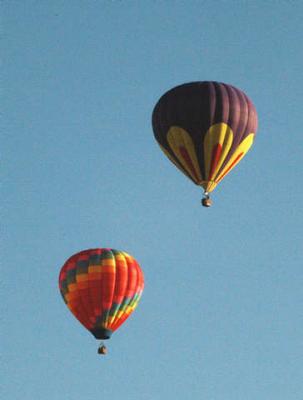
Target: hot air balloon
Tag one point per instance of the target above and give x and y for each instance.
(101, 287)
(205, 129)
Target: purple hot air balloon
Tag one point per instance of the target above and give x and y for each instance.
(205, 129)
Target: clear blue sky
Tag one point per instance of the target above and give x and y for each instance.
(221, 316)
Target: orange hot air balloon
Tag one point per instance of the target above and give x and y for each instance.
(101, 287)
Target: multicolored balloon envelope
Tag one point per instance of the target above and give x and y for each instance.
(205, 129)
(101, 287)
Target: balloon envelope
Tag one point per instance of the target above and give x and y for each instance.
(101, 287)
(205, 129)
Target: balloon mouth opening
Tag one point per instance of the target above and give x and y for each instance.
(101, 333)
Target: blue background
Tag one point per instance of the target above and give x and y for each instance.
(221, 316)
